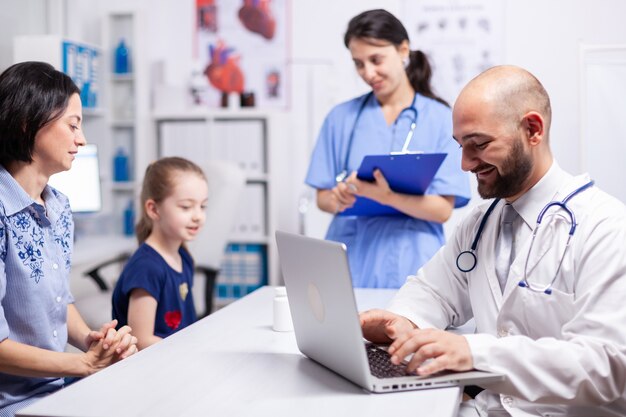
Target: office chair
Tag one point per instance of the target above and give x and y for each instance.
(105, 286)
(226, 184)
(95, 306)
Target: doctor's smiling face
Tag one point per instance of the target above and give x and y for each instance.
(493, 151)
(504, 139)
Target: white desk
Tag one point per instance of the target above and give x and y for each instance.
(232, 363)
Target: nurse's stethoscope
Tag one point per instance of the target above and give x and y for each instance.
(405, 148)
(466, 261)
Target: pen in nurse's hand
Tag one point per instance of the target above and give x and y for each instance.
(341, 177)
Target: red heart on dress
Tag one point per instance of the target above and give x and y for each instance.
(173, 318)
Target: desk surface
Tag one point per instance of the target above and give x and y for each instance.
(232, 363)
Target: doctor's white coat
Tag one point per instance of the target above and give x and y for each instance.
(563, 354)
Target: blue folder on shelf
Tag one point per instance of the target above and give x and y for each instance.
(406, 173)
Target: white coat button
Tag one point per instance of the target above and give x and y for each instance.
(55, 266)
(503, 332)
(54, 333)
(507, 400)
(58, 299)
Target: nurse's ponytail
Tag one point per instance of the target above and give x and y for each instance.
(419, 74)
(380, 24)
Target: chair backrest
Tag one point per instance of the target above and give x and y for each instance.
(226, 184)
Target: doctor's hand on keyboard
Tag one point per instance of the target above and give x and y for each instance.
(381, 326)
(433, 351)
(380, 363)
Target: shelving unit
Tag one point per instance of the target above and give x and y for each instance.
(244, 137)
(124, 104)
(83, 63)
(114, 106)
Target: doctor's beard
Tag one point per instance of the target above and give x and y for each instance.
(517, 168)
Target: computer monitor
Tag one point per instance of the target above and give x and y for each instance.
(81, 184)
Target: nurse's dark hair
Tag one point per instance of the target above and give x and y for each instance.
(158, 183)
(382, 25)
(32, 94)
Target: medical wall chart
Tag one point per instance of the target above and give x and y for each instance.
(461, 38)
(81, 62)
(242, 47)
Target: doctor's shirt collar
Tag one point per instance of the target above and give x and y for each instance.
(532, 202)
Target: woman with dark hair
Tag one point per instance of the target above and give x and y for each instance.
(384, 250)
(40, 132)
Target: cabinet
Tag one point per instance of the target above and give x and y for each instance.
(242, 137)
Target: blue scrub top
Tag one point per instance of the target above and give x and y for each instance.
(384, 250)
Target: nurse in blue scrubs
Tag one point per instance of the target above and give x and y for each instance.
(384, 250)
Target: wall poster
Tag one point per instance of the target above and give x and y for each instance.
(242, 48)
(82, 63)
(462, 38)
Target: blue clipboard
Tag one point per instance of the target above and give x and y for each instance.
(405, 173)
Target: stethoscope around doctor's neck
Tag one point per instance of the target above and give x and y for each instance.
(466, 261)
(405, 148)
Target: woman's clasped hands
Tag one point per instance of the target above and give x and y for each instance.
(107, 346)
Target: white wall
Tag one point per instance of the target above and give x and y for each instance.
(603, 100)
(542, 36)
(26, 17)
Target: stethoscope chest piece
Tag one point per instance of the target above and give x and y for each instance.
(466, 261)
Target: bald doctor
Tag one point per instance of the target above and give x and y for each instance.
(554, 322)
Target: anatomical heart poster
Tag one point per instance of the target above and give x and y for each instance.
(242, 47)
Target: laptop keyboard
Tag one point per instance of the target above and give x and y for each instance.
(380, 363)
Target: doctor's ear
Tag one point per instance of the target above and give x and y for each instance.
(534, 125)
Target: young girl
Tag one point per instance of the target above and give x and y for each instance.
(153, 294)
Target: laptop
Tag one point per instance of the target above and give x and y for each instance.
(326, 321)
